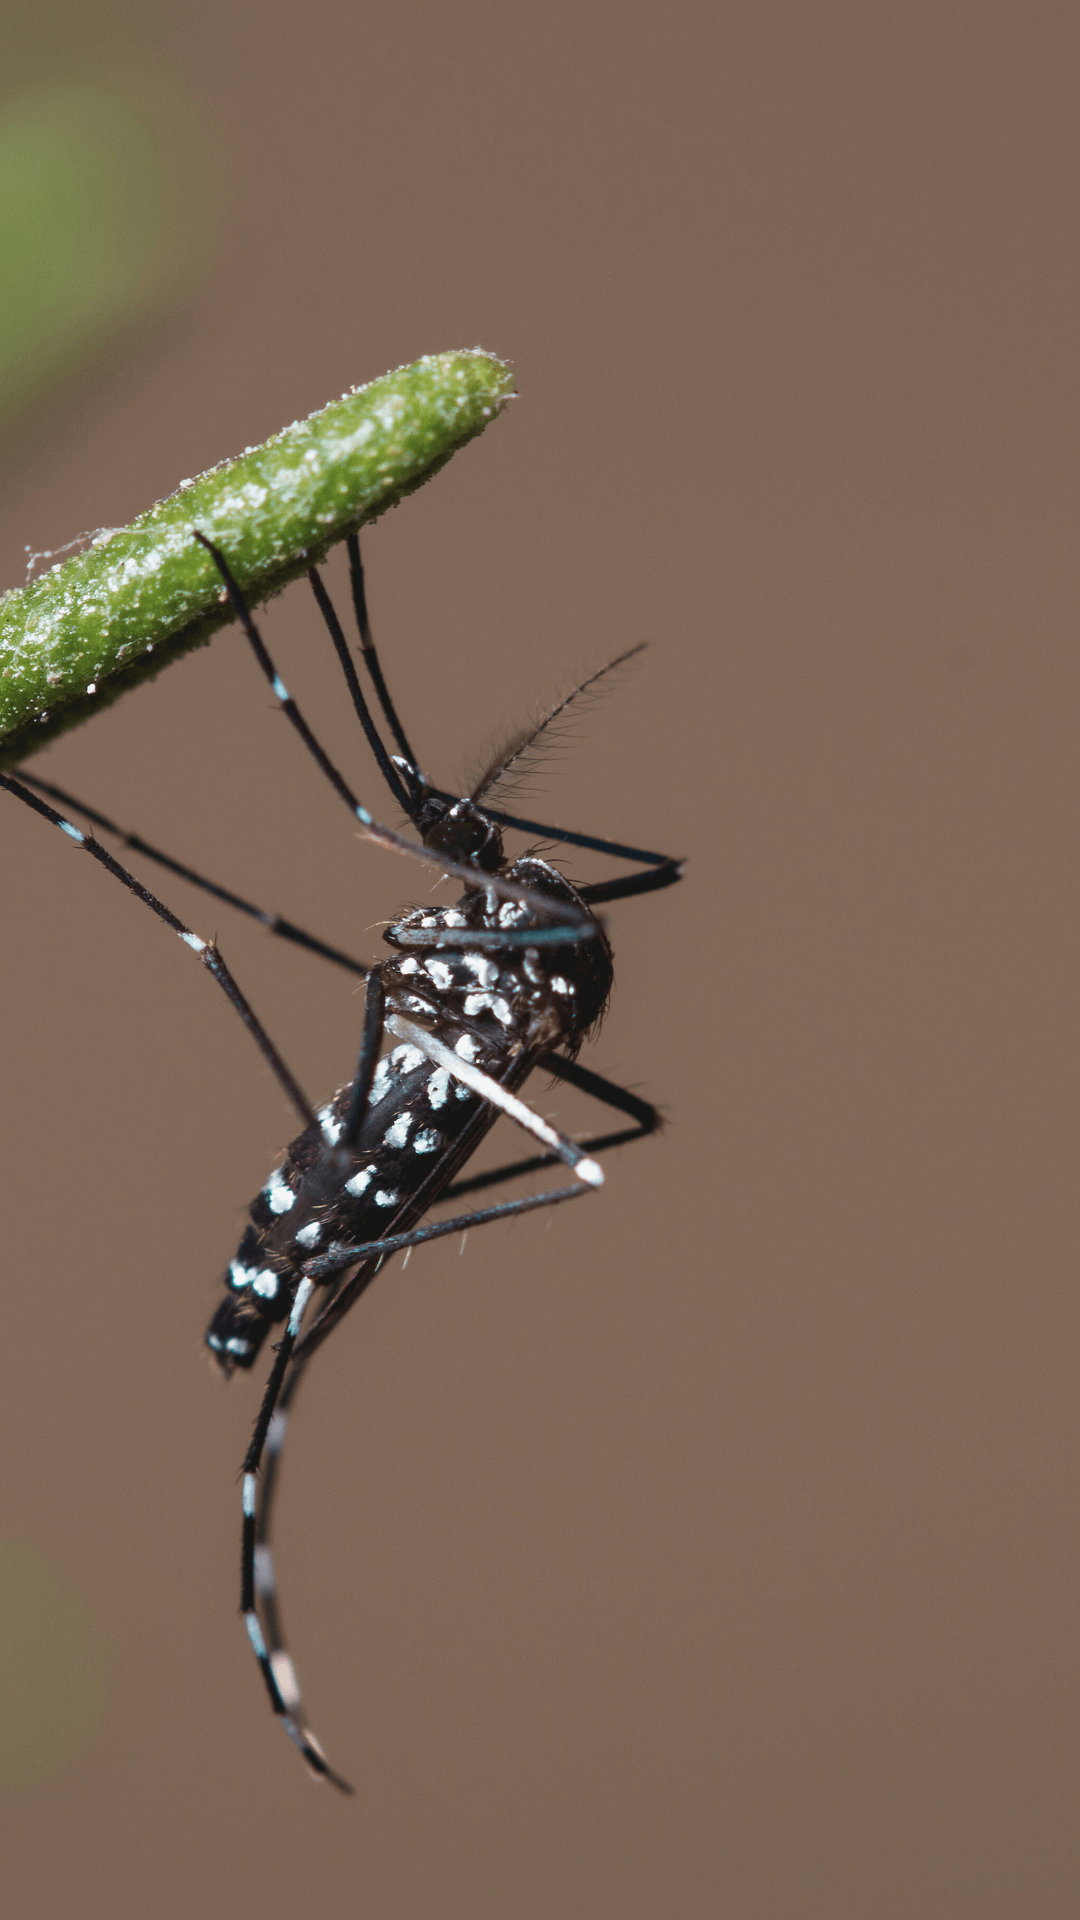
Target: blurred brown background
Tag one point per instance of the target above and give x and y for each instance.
(710, 1548)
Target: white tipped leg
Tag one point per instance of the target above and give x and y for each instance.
(586, 1169)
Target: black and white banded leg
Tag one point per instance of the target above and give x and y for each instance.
(259, 1595)
(205, 950)
(538, 910)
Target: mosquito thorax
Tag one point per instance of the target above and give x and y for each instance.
(552, 993)
(461, 831)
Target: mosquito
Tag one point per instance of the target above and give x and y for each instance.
(474, 997)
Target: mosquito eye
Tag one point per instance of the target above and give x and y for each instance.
(463, 834)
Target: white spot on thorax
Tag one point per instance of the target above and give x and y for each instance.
(396, 1135)
(485, 971)
(309, 1235)
(488, 1002)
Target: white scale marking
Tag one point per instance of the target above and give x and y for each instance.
(262, 1280)
(359, 1182)
(287, 1683)
(488, 1002)
(407, 1059)
(585, 1168)
(303, 1295)
(427, 1141)
(279, 1196)
(309, 1235)
(264, 1572)
(190, 939)
(397, 1135)
(439, 972)
(72, 832)
(486, 972)
(385, 1199)
(438, 1087)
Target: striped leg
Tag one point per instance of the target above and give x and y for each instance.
(274, 923)
(262, 1466)
(205, 949)
(573, 928)
(508, 1103)
(644, 1115)
(258, 1587)
(275, 1665)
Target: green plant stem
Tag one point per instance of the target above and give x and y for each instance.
(140, 596)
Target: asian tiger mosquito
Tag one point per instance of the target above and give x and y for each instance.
(476, 995)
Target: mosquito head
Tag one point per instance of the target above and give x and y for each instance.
(461, 832)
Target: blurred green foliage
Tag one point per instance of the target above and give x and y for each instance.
(53, 1663)
(84, 227)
